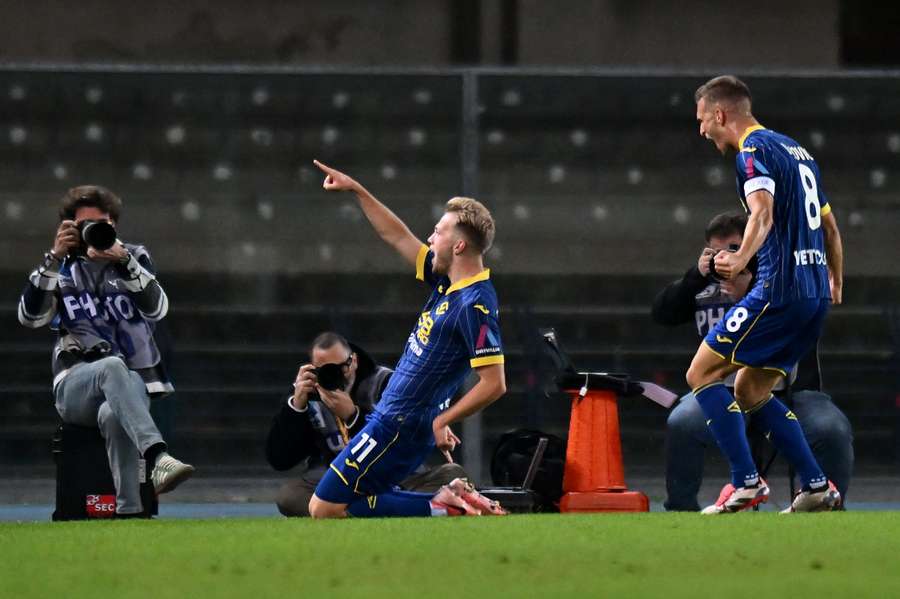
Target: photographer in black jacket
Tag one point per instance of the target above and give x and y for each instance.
(700, 297)
(332, 397)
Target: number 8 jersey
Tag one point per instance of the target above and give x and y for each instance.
(792, 263)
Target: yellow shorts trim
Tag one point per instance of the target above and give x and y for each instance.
(338, 472)
(709, 347)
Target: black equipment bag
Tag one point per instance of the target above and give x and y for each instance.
(513, 462)
(84, 484)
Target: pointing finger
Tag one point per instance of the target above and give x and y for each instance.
(323, 167)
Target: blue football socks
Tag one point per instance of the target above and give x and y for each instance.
(774, 417)
(392, 504)
(726, 423)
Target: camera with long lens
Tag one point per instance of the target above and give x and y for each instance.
(98, 234)
(712, 262)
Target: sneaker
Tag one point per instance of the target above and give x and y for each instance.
(467, 492)
(168, 473)
(447, 501)
(733, 499)
(816, 501)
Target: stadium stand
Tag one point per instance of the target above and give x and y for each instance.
(596, 182)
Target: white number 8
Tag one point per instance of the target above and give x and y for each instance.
(735, 321)
(811, 203)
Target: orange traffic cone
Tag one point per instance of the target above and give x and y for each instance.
(594, 479)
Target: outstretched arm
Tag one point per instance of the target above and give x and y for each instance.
(387, 224)
(834, 252)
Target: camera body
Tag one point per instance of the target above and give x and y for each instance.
(330, 377)
(712, 262)
(98, 234)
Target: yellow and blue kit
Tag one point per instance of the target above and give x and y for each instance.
(458, 329)
(782, 316)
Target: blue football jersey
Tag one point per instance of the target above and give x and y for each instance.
(457, 330)
(792, 261)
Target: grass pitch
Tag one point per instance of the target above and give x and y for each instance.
(603, 555)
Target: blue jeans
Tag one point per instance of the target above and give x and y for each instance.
(826, 428)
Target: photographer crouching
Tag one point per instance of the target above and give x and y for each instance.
(333, 395)
(102, 297)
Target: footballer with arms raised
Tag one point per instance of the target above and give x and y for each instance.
(457, 330)
(791, 228)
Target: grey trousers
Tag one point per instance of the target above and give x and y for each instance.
(293, 497)
(107, 395)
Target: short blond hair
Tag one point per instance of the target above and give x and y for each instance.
(475, 221)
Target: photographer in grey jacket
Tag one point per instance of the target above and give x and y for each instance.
(102, 297)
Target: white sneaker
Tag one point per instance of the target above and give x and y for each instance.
(816, 501)
(735, 500)
(168, 473)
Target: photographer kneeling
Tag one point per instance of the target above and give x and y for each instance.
(102, 297)
(333, 395)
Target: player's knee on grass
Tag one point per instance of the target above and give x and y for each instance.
(320, 509)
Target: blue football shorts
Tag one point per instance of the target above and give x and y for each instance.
(376, 459)
(757, 334)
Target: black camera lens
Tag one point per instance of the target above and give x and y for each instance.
(98, 234)
(331, 376)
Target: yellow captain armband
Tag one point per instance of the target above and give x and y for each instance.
(826, 209)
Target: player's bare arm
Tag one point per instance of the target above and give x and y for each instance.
(834, 252)
(759, 223)
(387, 224)
(489, 388)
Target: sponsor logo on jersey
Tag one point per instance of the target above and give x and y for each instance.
(723, 339)
(426, 322)
(353, 465)
(442, 309)
(414, 347)
(487, 341)
(481, 308)
(734, 407)
(810, 258)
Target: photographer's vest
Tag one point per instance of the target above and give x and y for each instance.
(97, 318)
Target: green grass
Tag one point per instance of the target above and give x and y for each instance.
(654, 555)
